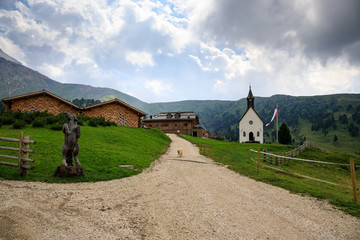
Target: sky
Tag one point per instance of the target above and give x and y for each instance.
(162, 51)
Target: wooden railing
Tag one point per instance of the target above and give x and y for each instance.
(23, 154)
(281, 158)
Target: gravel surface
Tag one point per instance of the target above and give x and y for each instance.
(176, 198)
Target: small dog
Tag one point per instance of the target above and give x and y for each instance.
(180, 152)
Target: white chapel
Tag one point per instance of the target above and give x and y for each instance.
(251, 126)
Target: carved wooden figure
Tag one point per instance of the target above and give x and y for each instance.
(70, 148)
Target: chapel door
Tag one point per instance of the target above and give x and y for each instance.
(251, 137)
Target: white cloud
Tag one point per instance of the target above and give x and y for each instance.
(159, 87)
(51, 70)
(220, 86)
(140, 59)
(11, 49)
(212, 46)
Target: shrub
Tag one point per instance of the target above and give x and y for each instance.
(27, 117)
(18, 124)
(39, 122)
(94, 122)
(57, 126)
(7, 119)
(52, 119)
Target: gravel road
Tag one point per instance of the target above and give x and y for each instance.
(176, 198)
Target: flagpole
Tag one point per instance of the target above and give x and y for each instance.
(277, 125)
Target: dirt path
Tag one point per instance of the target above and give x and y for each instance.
(187, 198)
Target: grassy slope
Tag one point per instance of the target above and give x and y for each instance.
(235, 155)
(101, 150)
(345, 142)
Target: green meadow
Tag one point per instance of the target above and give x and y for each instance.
(102, 149)
(235, 156)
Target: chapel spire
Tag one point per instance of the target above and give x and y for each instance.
(250, 99)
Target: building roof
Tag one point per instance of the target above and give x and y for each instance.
(173, 116)
(246, 113)
(43, 92)
(119, 102)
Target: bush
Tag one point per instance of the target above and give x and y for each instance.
(18, 124)
(57, 126)
(39, 122)
(27, 117)
(7, 119)
(52, 119)
(93, 122)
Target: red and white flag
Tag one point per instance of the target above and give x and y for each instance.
(273, 117)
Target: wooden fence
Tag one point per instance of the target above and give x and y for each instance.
(23, 154)
(281, 158)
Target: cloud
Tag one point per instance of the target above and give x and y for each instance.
(158, 87)
(140, 59)
(324, 29)
(51, 70)
(150, 48)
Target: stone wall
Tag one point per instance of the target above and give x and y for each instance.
(115, 112)
(42, 103)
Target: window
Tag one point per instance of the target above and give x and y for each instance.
(185, 124)
(258, 134)
(244, 134)
(175, 125)
(123, 119)
(31, 109)
(251, 122)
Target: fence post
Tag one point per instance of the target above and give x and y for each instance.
(20, 153)
(271, 158)
(352, 168)
(258, 163)
(26, 155)
(249, 156)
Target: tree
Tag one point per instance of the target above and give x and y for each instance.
(335, 138)
(284, 134)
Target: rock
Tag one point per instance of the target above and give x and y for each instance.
(69, 171)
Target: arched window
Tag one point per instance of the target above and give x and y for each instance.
(244, 134)
(258, 134)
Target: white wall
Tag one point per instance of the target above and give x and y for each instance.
(245, 126)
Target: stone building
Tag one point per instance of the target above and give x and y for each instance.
(251, 126)
(114, 110)
(172, 122)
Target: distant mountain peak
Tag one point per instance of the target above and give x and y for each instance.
(7, 57)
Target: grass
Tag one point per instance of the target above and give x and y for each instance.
(345, 142)
(235, 155)
(101, 150)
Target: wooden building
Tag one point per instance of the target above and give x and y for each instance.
(176, 122)
(114, 110)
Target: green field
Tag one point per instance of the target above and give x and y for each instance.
(345, 143)
(235, 156)
(102, 149)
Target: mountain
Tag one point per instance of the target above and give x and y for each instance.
(16, 79)
(7, 57)
(319, 118)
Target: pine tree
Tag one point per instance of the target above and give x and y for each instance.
(284, 134)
